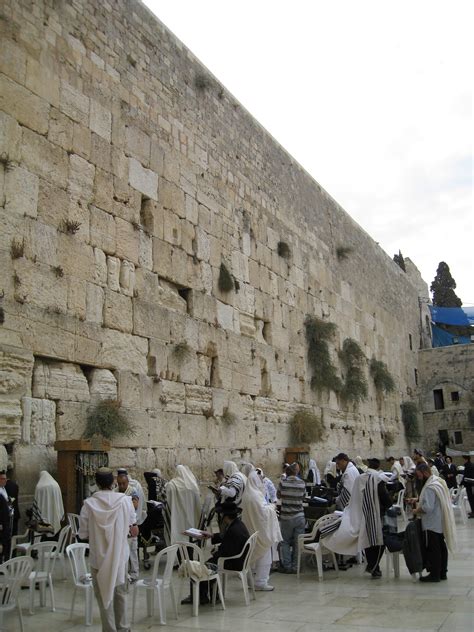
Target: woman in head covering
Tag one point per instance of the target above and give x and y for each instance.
(314, 475)
(360, 465)
(48, 501)
(183, 503)
(234, 484)
(246, 468)
(330, 474)
(258, 515)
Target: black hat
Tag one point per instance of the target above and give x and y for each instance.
(373, 463)
(228, 508)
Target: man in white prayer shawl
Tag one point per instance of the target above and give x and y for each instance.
(49, 501)
(106, 520)
(349, 474)
(361, 524)
(437, 522)
(259, 515)
(183, 503)
(233, 486)
(141, 509)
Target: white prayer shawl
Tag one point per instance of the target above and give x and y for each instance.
(235, 483)
(230, 468)
(434, 470)
(49, 500)
(360, 464)
(141, 509)
(316, 473)
(184, 502)
(361, 525)
(108, 516)
(349, 476)
(408, 464)
(397, 472)
(258, 515)
(441, 490)
(246, 468)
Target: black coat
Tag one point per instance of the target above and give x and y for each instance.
(12, 490)
(449, 472)
(5, 534)
(231, 542)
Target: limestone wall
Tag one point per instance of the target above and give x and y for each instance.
(128, 175)
(451, 371)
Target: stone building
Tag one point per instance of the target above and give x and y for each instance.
(129, 178)
(447, 392)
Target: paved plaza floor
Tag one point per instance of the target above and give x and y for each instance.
(352, 602)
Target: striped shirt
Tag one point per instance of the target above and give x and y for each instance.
(292, 491)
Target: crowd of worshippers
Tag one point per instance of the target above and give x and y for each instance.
(358, 497)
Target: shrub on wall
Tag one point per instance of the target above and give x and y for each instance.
(354, 388)
(381, 376)
(410, 419)
(106, 420)
(306, 427)
(388, 439)
(324, 374)
(283, 250)
(226, 280)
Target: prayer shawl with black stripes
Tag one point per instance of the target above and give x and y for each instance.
(361, 524)
(345, 485)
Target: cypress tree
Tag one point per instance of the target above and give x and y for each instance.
(443, 288)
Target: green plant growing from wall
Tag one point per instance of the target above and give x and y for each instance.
(201, 81)
(343, 252)
(306, 427)
(352, 357)
(324, 373)
(182, 351)
(106, 420)
(228, 418)
(17, 248)
(388, 439)
(283, 250)
(410, 419)
(381, 376)
(226, 280)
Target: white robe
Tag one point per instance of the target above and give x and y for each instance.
(105, 521)
(184, 503)
(258, 515)
(447, 514)
(49, 500)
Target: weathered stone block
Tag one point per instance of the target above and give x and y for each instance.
(43, 81)
(102, 230)
(119, 350)
(16, 367)
(137, 144)
(144, 180)
(100, 120)
(150, 320)
(71, 419)
(127, 236)
(10, 137)
(225, 315)
(29, 110)
(74, 104)
(39, 421)
(21, 192)
(171, 197)
(198, 400)
(118, 313)
(127, 278)
(172, 396)
(94, 303)
(81, 178)
(60, 380)
(102, 385)
(43, 158)
(113, 273)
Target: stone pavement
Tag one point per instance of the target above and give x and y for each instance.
(351, 603)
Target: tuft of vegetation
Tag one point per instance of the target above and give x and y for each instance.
(283, 250)
(306, 427)
(410, 419)
(228, 418)
(209, 412)
(324, 374)
(400, 261)
(70, 226)
(225, 282)
(106, 420)
(201, 81)
(58, 271)
(381, 376)
(355, 385)
(343, 252)
(388, 439)
(182, 351)
(17, 248)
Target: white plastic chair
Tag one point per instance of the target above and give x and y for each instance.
(43, 572)
(307, 546)
(73, 520)
(158, 585)
(245, 575)
(22, 543)
(401, 505)
(207, 575)
(81, 576)
(63, 541)
(458, 504)
(12, 573)
(393, 559)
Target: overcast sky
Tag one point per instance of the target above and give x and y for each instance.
(373, 98)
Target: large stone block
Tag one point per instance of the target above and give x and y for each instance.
(29, 110)
(144, 180)
(43, 81)
(137, 144)
(41, 243)
(225, 315)
(128, 237)
(16, 367)
(38, 285)
(81, 178)
(71, 419)
(118, 312)
(43, 158)
(10, 137)
(102, 385)
(74, 104)
(123, 351)
(150, 320)
(171, 197)
(39, 421)
(60, 380)
(21, 192)
(94, 303)
(198, 400)
(127, 278)
(100, 120)
(102, 230)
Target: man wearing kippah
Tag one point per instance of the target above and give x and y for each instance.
(106, 520)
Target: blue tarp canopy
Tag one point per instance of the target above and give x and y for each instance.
(461, 316)
(442, 338)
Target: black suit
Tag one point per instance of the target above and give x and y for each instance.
(373, 554)
(5, 533)
(231, 542)
(13, 491)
